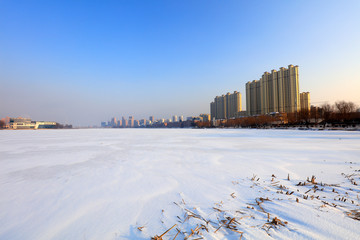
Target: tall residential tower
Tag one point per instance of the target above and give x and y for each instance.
(305, 101)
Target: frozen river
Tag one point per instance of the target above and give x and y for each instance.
(122, 183)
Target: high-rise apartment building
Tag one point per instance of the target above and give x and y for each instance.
(305, 101)
(113, 122)
(253, 100)
(124, 122)
(175, 118)
(131, 121)
(143, 122)
(119, 123)
(225, 106)
(277, 91)
(136, 123)
(151, 118)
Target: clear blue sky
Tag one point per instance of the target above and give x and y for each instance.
(83, 62)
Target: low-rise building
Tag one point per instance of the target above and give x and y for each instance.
(241, 114)
(45, 125)
(22, 123)
(26, 123)
(205, 117)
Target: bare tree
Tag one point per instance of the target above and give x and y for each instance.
(344, 109)
(315, 113)
(304, 116)
(327, 111)
(327, 107)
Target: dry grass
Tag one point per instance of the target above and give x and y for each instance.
(354, 214)
(161, 236)
(194, 225)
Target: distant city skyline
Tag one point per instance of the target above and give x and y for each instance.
(81, 63)
(174, 122)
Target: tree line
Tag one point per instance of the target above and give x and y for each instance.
(340, 113)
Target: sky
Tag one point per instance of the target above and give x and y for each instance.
(83, 62)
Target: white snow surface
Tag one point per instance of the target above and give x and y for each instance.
(107, 183)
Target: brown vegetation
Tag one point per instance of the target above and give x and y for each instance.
(258, 213)
(341, 113)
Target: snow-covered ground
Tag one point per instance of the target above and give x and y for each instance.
(221, 184)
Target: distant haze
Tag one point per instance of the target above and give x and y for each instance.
(84, 62)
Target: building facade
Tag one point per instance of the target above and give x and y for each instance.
(253, 100)
(22, 123)
(124, 122)
(205, 117)
(26, 123)
(151, 118)
(113, 122)
(225, 106)
(305, 101)
(277, 91)
(241, 114)
(131, 122)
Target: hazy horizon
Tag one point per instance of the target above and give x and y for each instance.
(85, 62)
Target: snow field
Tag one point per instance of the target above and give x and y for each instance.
(108, 183)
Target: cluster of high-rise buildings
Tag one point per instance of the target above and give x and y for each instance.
(274, 92)
(175, 121)
(226, 106)
(123, 122)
